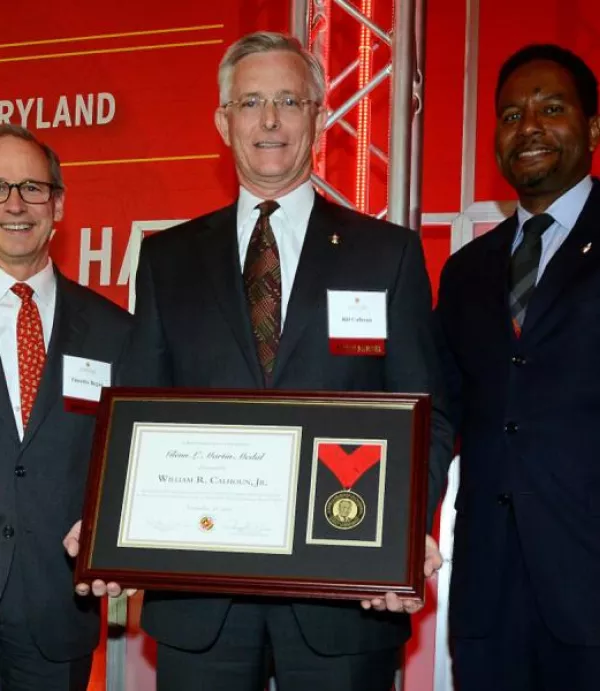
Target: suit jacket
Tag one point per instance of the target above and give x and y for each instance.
(527, 411)
(42, 478)
(192, 329)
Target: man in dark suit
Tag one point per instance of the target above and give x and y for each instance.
(520, 312)
(47, 634)
(238, 299)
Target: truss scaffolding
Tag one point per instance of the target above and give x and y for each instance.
(399, 49)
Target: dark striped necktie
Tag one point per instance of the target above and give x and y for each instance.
(524, 266)
(262, 281)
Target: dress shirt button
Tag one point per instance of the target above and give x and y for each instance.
(504, 499)
(8, 531)
(20, 471)
(511, 427)
(517, 360)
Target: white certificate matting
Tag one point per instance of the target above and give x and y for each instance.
(224, 488)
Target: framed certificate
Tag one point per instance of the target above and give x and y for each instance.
(295, 494)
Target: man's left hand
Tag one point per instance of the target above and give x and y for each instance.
(392, 602)
(98, 588)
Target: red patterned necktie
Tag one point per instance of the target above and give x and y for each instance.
(31, 352)
(262, 280)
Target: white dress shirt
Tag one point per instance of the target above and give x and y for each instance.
(44, 296)
(565, 211)
(289, 223)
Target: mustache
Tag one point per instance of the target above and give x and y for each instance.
(532, 144)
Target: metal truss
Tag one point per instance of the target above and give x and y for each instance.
(312, 22)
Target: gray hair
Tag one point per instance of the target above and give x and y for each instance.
(56, 177)
(265, 42)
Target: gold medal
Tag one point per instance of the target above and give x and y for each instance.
(345, 510)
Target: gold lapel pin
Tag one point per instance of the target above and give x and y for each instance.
(334, 239)
(586, 248)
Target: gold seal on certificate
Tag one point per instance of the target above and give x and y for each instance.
(345, 510)
(206, 523)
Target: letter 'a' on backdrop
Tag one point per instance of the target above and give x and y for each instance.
(278, 493)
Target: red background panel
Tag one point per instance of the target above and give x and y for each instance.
(444, 64)
(165, 99)
(436, 243)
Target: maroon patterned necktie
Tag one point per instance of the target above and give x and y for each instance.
(262, 280)
(31, 352)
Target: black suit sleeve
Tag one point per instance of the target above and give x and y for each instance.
(147, 362)
(451, 371)
(412, 362)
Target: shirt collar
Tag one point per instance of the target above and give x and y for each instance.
(567, 208)
(43, 283)
(294, 207)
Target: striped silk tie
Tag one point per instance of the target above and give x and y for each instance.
(262, 280)
(31, 352)
(524, 267)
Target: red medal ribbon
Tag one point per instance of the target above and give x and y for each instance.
(349, 467)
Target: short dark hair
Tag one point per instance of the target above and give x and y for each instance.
(584, 79)
(51, 156)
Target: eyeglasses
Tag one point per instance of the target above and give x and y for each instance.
(253, 106)
(30, 191)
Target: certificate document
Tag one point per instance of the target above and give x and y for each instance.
(285, 494)
(229, 488)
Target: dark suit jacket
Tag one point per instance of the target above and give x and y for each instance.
(528, 413)
(42, 478)
(192, 329)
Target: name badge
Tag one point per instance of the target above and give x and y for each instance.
(83, 380)
(357, 322)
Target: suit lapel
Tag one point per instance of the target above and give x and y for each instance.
(568, 266)
(219, 253)
(494, 276)
(310, 283)
(7, 415)
(68, 332)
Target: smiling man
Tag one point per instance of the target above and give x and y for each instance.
(29, 211)
(47, 634)
(520, 312)
(238, 299)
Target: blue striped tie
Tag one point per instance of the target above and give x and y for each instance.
(524, 267)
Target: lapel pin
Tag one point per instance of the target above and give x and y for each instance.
(586, 248)
(334, 239)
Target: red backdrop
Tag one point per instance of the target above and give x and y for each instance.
(150, 153)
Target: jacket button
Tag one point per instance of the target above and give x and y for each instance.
(517, 360)
(20, 471)
(8, 531)
(511, 427)
(504, 499)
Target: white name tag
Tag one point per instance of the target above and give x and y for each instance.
(83, 379)
(357, 321)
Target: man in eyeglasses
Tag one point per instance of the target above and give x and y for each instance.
(47, 634)
(238, 299)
